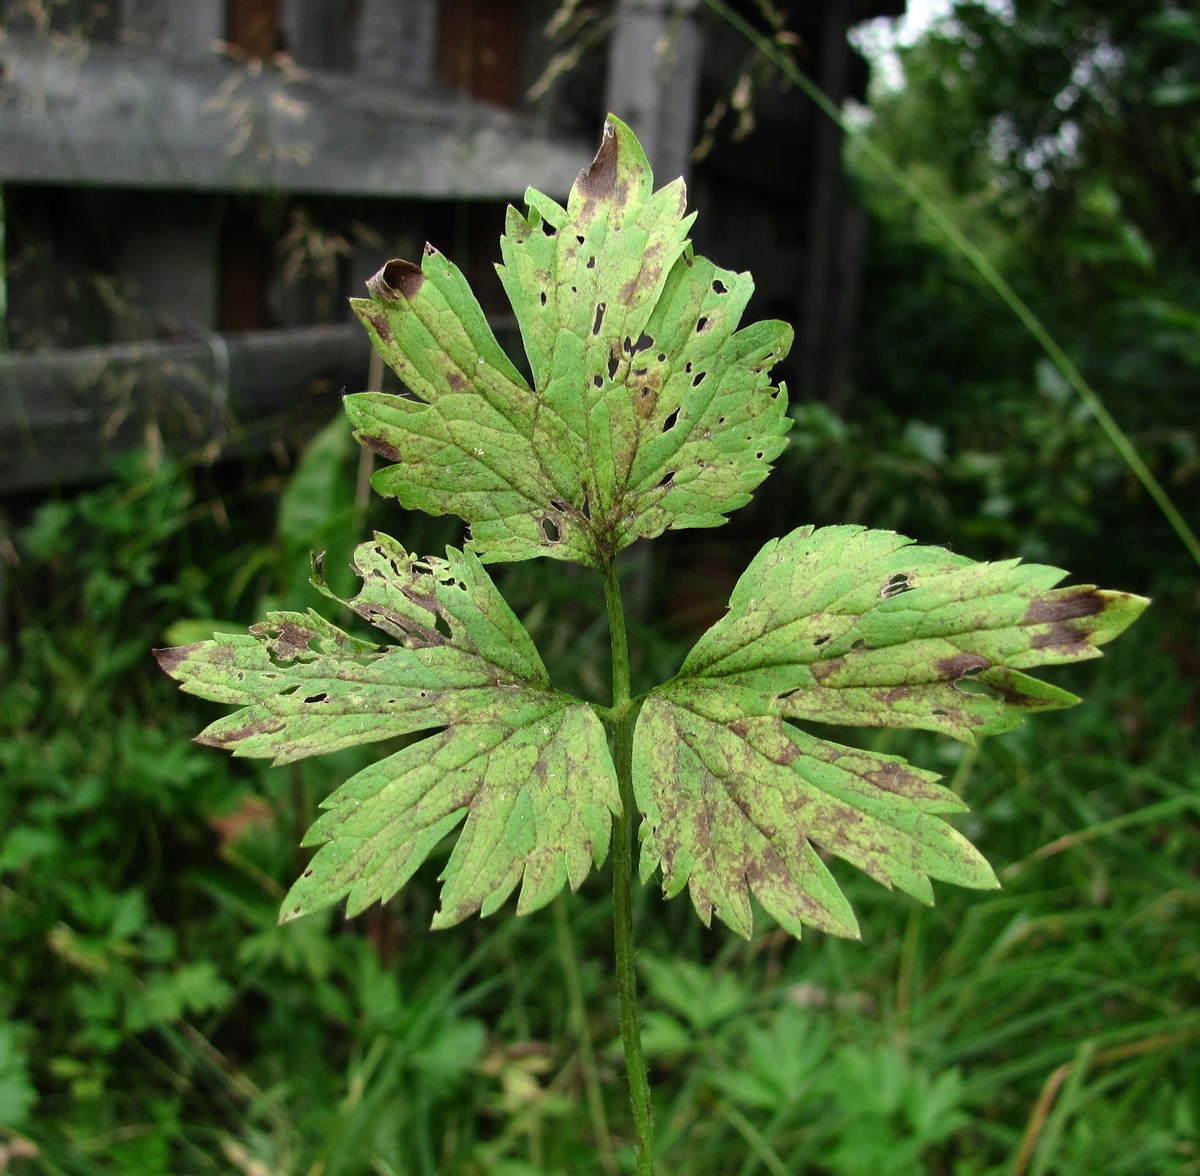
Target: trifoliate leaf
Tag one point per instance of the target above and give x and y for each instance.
(526, 766)
(854, 627)
(649, 409)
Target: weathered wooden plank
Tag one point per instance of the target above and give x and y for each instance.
(64, 415)
(654, 79)
(78, 113)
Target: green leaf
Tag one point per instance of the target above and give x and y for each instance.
(703, 998)
(734, 805)
(169, 996)
(846, 626)
(649, 409)
(17, 1092)
(453, 1051)
(526, 766)
(780, 1061)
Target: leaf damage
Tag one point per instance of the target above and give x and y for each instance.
(523, 768)
(398, 279)
(853, 627)
(599, 181)
(637, 361)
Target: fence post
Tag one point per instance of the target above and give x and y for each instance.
(654, 78)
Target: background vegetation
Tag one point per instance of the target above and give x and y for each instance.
(153, 1019)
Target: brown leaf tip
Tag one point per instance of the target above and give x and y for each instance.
(171, 659)
(398, 279)
(598, 182)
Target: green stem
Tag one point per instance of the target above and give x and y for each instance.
(984, 267)
(624, 715)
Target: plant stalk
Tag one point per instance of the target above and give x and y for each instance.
(624, 715)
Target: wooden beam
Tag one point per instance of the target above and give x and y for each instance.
(77, 113)
(64, 415)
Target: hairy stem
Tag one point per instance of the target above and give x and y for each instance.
(623, 718)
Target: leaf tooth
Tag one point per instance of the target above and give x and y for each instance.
(544, 876)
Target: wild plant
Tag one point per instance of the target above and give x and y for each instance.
(649, 409)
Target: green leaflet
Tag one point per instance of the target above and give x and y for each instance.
(847, 626)
(526, 766)
(734, 806)
(536, 792)
(856, 627)
(649, 408)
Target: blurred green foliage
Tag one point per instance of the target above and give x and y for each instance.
(1057, 139)
(154, 1019)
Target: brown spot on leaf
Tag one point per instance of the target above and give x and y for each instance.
(1060, 636)
(378, 321)
(398, 279)
(767, 871)
(788, 753)
(1004, 690)
(646, 279)
(292, 639)
(644, 401)
(889, 779)
(380, 446)
(1064, 606)
(266, 726)
(824, 669)
(456, 381)
(954, 667)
